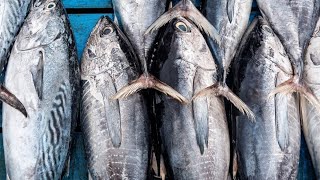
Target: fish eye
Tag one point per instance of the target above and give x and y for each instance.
(266, 28)
(106, 31)
(182, 27)
(51, 5)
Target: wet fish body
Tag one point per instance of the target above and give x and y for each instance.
(128, 15)
(230, 32)
(12, 14)
(310, 116)
(195, 137)
(43, 73)
(270, 147)
(116, 131)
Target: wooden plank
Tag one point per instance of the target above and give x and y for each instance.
(78, 164)
(82, 25)
(2, 161)
(306, 170)
(87, 3)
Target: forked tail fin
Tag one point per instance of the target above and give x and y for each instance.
(7, 97)
(223, 90)
(149, 82)
(187, 10)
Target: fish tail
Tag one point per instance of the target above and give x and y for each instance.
(148, 82)
(186, 9)
(292, 86)
(7, 97)
(223, 90)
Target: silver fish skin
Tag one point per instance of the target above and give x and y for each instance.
(43, 72)
(293, 21)
(270, 147)
(12, 15)
(116, 131)
(129, 15)
(310, 116)
(195, 136)
(216, 11)
(300, 18)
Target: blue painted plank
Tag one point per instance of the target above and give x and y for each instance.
(82, 25)
(306, 170)
(78, 164)
(2, 161)
(87, 3)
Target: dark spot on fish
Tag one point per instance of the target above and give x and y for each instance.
(106, 31)
(267, 29)
(91, 54)
(271, 52)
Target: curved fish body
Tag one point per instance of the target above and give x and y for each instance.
(116, 131)
(12, 15)
(134, 17)
(293, 22)
(230, 32)
(270, 147)
(43, 73)
(195, 136)
(310, 116)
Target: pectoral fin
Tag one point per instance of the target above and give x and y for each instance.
(37, 76)
(112, 111)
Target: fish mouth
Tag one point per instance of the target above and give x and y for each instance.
(58, 36)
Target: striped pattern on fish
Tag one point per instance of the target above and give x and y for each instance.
(54, 135)
(43, 73)
(12, 14)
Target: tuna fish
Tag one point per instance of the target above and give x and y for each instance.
(43, 73)
(12, 15)
(195, 136)
(219, 13)
(310, 116)
(270, 147)
(293, 21)
(116, 131)
(134, 17)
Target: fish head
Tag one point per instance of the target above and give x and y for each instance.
(184, 41)
(44, 25)
(107, 47)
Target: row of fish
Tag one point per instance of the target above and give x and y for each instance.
(180, 130)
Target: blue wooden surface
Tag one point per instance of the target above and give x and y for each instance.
(82, 25)
(87, 3)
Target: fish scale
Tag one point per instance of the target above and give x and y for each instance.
(190, 153)
(310, 115)
(116, 132)
(12, 14)
(44, 74)
(270, 147)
